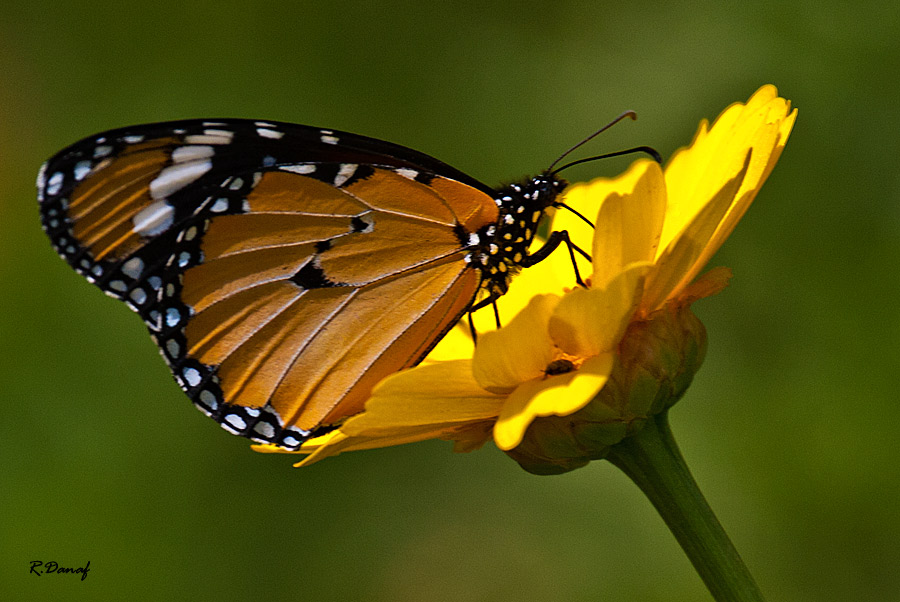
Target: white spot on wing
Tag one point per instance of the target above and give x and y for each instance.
(208, 138)
(328, 139)
(220, 133)
(153, 219)
(138, 295)
(269, 133)
(133, 267)
(82, 168)
(175, 177)
(265, 429)
(209, 399)
(41, 182)
(407, 172)
(303, 168)
(183, 154)
(102, 151)
(173, 317)
(345, 172)
(55, 183)
(219, 206)
(236, 422)
(191, 376)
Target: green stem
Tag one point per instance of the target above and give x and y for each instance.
(652, 460)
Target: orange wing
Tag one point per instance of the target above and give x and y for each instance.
(283, 270)
(311, 296)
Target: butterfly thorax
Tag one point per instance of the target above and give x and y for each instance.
(500, 249)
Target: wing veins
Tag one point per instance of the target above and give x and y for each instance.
(407, 215)
(259, 358)
(370, 325)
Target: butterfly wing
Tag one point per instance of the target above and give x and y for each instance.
(282, 270)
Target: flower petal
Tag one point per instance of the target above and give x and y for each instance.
(554, 396)
(441, 393)
(517, 352)
(337, 442)
(767, 149)
(629, 222)
(711, 283)
(678, 264)
(587, 322)
(456, 345)
(427, 402)
(694, 174)
(586, 199)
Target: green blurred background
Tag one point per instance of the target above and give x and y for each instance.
(790, 428)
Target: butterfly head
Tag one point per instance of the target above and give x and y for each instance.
(499, 249)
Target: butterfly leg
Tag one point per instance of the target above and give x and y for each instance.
(489, 300)
(552, 243)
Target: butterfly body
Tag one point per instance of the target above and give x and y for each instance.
(284, 270)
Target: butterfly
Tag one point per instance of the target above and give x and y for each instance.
(283, 270)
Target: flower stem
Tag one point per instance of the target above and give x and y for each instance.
(651, 459)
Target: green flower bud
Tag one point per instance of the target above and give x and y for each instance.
(656, 362)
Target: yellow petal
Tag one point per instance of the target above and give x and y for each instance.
(426, 402)
(678, 264)
(694, 174)
(767, 148)
(456, 344)
(587, 322)
(435, 394)
(554, 396)
(629, 221)
(711, 283)
(586, 199)
(337, 442)
(517, 352)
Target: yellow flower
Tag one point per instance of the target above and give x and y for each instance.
(628, 341)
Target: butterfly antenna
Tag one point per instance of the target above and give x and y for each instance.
(631, 114)
(576, 213)
(637, 149)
